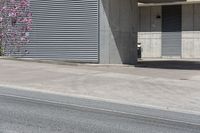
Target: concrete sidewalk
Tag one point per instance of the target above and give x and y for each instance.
(170, 89)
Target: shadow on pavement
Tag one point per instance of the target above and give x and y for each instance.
(166, 64)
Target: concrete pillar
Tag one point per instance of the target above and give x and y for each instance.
(118, 31)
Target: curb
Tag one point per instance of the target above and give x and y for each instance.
(62, 62)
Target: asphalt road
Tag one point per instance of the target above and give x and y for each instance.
(21, 115)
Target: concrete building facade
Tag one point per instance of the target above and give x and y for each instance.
(170, 30)
(92, 31)
(107, 31)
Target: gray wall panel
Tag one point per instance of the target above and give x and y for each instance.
(171, 30)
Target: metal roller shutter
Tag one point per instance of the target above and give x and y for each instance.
(64, 29)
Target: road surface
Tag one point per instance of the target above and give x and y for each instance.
(23, 115)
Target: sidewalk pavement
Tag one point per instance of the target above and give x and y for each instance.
(171, 89)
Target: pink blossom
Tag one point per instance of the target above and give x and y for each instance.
(12, 1)
(1, 19)
(19, 16)
(22, 38)
(29, 14)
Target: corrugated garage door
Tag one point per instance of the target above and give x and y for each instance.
(171, 30)
(64, 29)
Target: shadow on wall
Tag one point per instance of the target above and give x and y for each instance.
(121, 28)
(167, 64)
(151, 18)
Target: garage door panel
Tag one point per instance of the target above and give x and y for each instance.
(64, 29)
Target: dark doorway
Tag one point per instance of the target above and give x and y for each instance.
(171, 30)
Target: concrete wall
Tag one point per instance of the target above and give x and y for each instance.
(150, 31)
(161, 1)
(118, 31)
(193, 0)
(191, 31)
(164, 1)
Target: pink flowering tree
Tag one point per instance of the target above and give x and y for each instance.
(15, 25)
